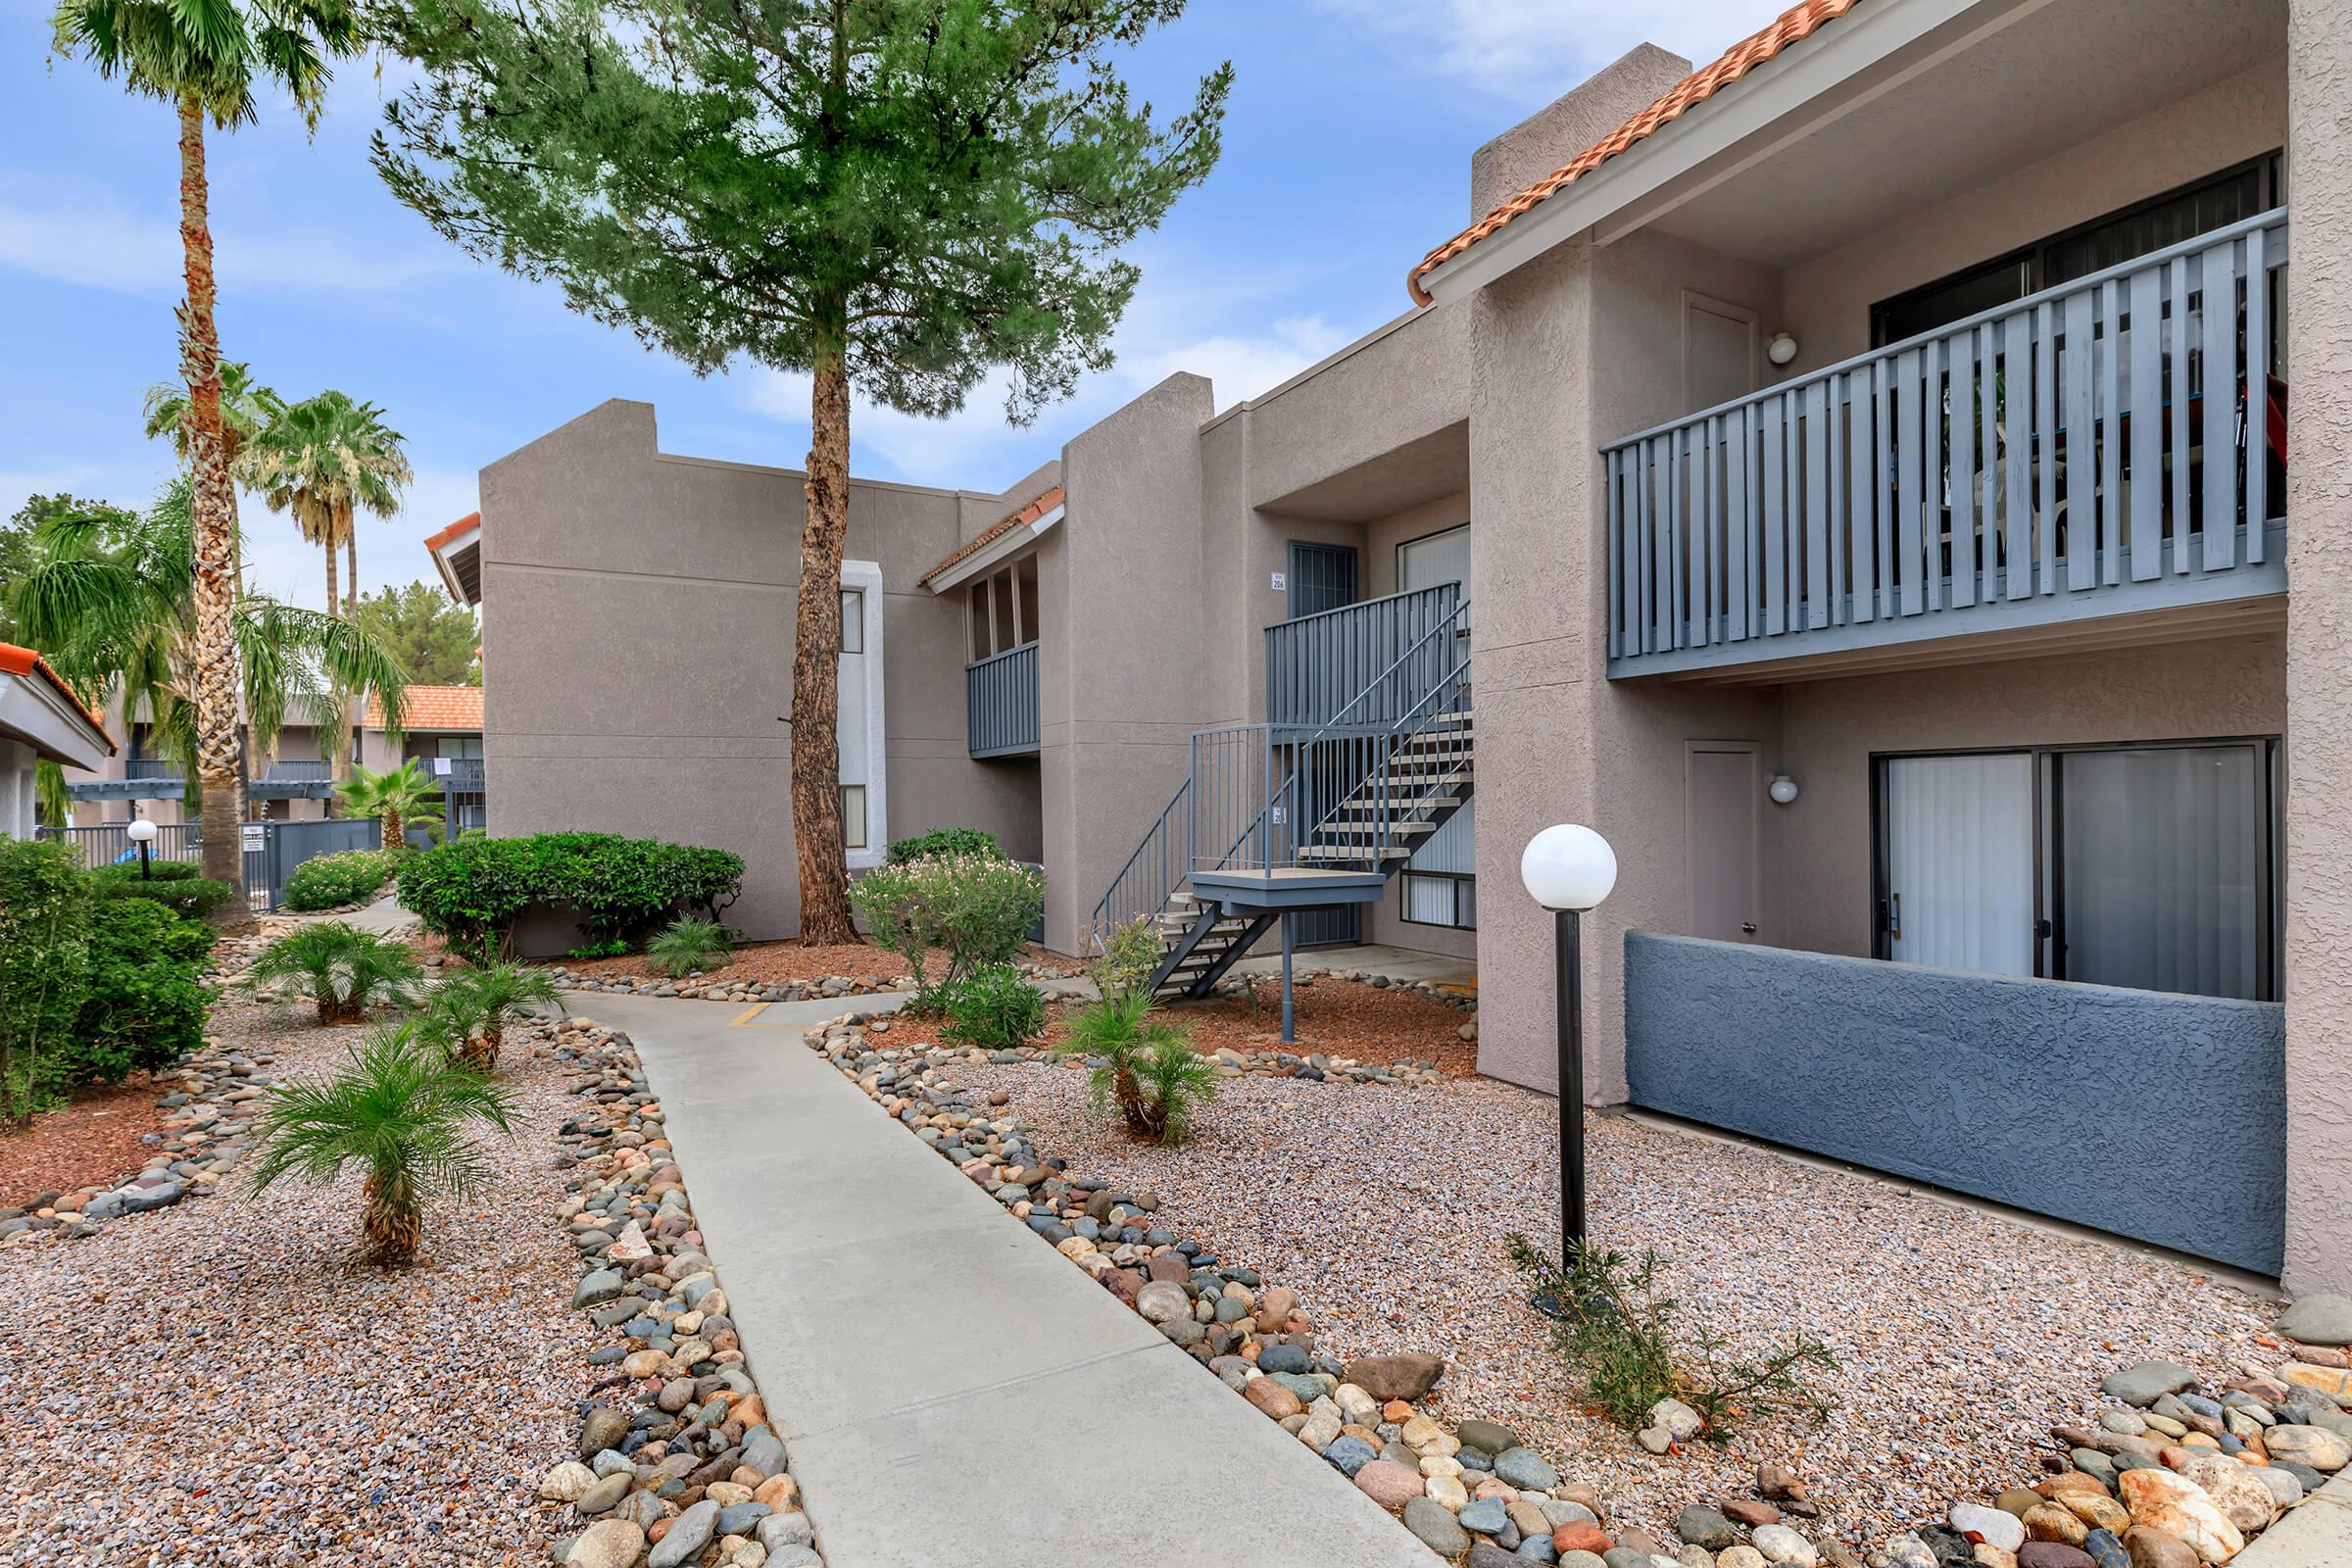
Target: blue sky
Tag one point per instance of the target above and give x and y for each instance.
(1346, 156)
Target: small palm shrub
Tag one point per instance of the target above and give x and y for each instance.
(687, 944)
(994, 1009)
(325, 881)
(400, 1111)
(1143, 1066)
(471, 1010)
(343, 969)
(979, 907)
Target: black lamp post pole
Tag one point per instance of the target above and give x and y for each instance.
(1568, 992)
(146, 873)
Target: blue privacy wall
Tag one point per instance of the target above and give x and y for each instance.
(2158, 1116)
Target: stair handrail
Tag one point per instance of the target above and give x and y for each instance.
(1103, 920)
(1409, 725)
(1450, 626)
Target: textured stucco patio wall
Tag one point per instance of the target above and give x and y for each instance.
(2040, 1094)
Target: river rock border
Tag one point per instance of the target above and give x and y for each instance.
(2168, 1478)
(677, 1462)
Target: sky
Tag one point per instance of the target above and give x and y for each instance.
(1347, 144)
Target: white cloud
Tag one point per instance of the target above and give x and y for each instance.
(75, 231)
(1241, 364)
(1543, 47)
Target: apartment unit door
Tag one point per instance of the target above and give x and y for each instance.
(1722, 795)
(1323, 577)
(1959, 863)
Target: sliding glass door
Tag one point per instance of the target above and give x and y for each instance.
(2150, 866)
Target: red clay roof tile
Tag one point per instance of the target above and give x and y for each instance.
(432, 708)
(16, 661)
(434, 541)
(1792, 26)
(998, 531)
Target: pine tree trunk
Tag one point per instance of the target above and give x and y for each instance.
(213, 503)
(817, 658)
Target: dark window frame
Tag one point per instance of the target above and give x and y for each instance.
(2032, 261)
(2049, 902)
(1404, 899)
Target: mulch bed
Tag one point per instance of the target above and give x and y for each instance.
(93, 1139)
(1335, 1018)
(766, 964)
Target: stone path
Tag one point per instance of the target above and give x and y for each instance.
(950, 1389)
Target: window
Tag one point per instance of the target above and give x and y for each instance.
(853, 816)
(2198, 207)
(1000, 609)
(458, 746)
(852, 620)
(2150, 866)
(1438, 898)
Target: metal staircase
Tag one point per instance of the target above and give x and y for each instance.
(1277, 816)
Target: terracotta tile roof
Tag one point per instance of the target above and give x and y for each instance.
(998, 531)
(1792, 26)
(434, 541)
(14, 660)
(430, 707)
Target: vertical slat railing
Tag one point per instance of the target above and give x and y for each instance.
(1001, 712)
(1316, 665)
(2058, 445)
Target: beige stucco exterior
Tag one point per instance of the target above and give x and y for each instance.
(1491, 408)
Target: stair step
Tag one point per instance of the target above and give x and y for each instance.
(1315, 852)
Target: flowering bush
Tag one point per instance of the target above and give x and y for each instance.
(979, 907)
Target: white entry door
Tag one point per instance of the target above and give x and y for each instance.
(1960, 861)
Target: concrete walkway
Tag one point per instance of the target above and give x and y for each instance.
(950, 1391)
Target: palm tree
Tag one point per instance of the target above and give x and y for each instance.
(324, 459)
(398, 796)
(1142, 1065)
(471, 1010)
(206, 58)
(120, 621)
(345, 970)
(400, 1114)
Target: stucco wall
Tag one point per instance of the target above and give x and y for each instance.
(1119, 689)
(2036, 1093)
(639, 621)
(1829, 728)
(2319, 654)
(1570, 124)
(1827, 299)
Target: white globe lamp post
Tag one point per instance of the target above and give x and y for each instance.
(1569, 869)
(142, 833)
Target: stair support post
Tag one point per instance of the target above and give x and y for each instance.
(1289, 1017)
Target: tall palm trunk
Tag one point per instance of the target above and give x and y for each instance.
(213, 506)
(816, 657)
(391, 828)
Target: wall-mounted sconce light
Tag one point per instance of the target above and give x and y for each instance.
(1783, 789)
(1782, 348)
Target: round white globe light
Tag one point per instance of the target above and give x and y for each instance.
(1784, 789)
(1568, 867)
(1782, 348)
(141, 831)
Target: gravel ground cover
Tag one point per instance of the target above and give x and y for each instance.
(219, 1384)
(92, 1138)
(1962, 1337)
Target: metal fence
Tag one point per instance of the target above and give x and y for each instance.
(272, 850)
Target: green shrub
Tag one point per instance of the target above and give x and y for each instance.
(44, 964)
(344, 970)
(1143, 1066)
(978, 907)
(943, 840)
(181, 891)
(144, 1010)
(472, 891)
(614, 948)
(1615, 1328)
(352, 877)
(994, 1009)
(1130, 955)
(687, 944)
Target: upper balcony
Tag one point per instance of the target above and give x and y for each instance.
(1000, 704)
(2113, 447)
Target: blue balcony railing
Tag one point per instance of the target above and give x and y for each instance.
(1000, 704)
